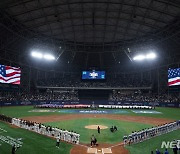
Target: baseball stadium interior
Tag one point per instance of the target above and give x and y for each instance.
(90, 76)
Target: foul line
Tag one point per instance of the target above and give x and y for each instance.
(116, 145)
(82, 145)
(108, 147)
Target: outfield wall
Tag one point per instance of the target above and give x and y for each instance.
(96, 102)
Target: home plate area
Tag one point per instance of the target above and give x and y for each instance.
(99, 151)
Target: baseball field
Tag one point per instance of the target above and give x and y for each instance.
(82, 121)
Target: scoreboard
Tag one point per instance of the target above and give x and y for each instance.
(93, 75)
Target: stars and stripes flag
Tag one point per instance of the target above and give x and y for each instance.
(174, 77)
(10, 74)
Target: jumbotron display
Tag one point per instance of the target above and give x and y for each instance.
(10, 75)
(174, 77)
(93, 75)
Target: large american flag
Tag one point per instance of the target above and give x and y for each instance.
(174, 77)
(10, 74)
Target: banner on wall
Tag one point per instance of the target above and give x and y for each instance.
(98, 102)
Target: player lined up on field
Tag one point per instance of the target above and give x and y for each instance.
(64, 135)
(136, 137)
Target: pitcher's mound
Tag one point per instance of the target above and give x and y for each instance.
(96, 126)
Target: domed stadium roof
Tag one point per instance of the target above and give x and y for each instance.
(92, 26)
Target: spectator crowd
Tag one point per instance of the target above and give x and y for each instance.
(143, 97)
(62, 95)
(128, 80)
(72, 95)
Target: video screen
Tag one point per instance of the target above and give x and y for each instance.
(10, 75)
(93, 75)
(174, 77)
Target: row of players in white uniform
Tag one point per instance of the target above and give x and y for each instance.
(145, 134)
(64, 135)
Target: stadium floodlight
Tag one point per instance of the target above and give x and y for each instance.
(40, 55)
(49, 57)
(148, 56)
(36, 54)
(139, 58)
(151, 55)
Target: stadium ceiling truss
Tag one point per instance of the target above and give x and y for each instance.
(85, 27)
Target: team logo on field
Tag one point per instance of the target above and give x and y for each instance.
(11, 141)
(92, 111)
(42, 111)
(146, 112)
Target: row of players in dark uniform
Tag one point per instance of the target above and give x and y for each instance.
(136, 137)
(5, 118)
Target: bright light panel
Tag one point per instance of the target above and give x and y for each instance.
(139, 57)
(151, 55)
(148, 56)
(37, 55)
(49, 57)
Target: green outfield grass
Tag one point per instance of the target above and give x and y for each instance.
(153, 144)
(37, 144)
(105, 136)
(168, 113)
(33, 143)
(23, 111)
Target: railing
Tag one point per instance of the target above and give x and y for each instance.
(103, 88)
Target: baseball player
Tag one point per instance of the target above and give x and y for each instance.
(57, 141)
(99, 130)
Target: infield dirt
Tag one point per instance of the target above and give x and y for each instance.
(140, 119)
(116, 148)
(96, 126)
